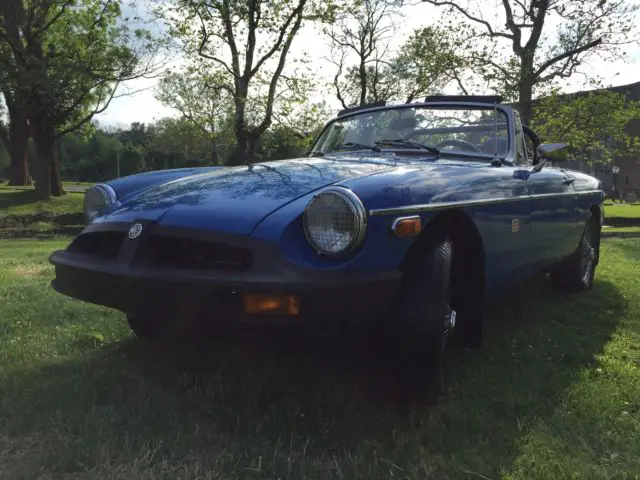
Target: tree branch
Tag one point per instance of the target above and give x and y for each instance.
(336, 82)
(96, 111)
(487, 25)
(567, 54)
(276, 75)
(254, 9)
(231, 40)
(278, 43)
(53, 19)
(515, 30)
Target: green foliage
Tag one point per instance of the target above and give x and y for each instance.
(247, 43)
(368, 70)
(280, 142)
(205, 107)
(594, 125)
(73, 57)
(427, 62)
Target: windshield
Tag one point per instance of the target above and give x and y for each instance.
(431, 130)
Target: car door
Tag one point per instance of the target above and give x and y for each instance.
(554, 214)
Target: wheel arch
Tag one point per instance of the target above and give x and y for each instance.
(598, 215)
(598, 219)
(468, 268)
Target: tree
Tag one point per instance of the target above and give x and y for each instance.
(362, 31)
(427, 62)
(201, 99)
(181, 143)
(15, 137)
(14, 126)
(540, 57)
(594, 125)
(66, 59)
(250, 41)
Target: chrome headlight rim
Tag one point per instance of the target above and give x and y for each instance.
(357, 209)
(109, 195)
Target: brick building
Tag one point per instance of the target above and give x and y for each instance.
(626, 184)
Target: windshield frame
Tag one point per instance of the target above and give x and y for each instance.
(507, 158)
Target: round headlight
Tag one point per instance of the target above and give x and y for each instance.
(96, 199)
(335, 221)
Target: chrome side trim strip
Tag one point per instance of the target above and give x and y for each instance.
(437, 206)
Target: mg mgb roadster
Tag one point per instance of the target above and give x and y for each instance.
(401, 217)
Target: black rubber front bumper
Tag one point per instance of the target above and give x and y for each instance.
(325, 296)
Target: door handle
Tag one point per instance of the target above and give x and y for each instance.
(568, 181)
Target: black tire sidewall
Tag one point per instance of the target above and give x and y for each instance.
(423, 313)
(144, 327)
(569, 276)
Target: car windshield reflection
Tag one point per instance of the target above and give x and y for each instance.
(481, 132)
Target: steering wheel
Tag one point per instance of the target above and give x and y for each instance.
(453, 142)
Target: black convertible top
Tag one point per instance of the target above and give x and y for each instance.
(464, 98)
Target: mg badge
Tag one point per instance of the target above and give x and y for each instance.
(135, 230)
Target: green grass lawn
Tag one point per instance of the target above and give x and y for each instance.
(25, 202)
(21, 213)
(622, 210)
(623, 229)
(554, 394)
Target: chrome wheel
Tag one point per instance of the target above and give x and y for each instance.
(450, 323)
(588, 257)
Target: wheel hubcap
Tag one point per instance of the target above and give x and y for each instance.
(588, 256)
(450, 323)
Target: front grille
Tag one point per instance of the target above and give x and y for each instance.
(99, 244)
(170, 252)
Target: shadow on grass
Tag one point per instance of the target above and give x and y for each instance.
(17, 198)
(291, 406)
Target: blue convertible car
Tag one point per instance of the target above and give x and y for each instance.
(407, 217)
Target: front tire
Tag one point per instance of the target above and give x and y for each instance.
(578, 271)
(146, 327)
(424, 323)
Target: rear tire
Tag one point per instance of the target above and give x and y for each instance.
(578, 271)
(424, 323)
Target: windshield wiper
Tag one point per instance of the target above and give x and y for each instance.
(317, 153)
(357, 145)
(398, 142)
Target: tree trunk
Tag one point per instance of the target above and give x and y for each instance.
(16, 141)
(214, 155)
(525, 90)
(48, 181)
(524, 104)
(19, 169)
(247, 144)
(362, 73)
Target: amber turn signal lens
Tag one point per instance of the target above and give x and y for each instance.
(286, 304)
(407, 226)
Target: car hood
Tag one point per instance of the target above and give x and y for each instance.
(236, 199)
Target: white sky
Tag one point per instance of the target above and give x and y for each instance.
(143, 107)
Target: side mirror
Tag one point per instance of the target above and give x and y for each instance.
(551, 151)
(548, 151)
